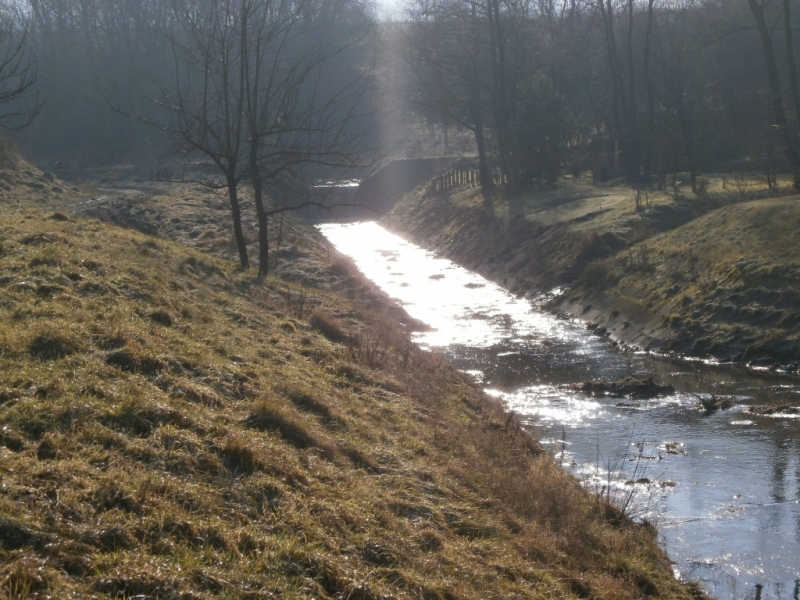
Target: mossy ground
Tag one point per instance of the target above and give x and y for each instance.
(708, 274)
(172, 427)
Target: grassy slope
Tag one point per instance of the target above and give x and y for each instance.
(171, 428)
(21, 182)
(680, 290)
(728, 283)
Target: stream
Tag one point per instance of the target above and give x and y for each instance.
(723, 488)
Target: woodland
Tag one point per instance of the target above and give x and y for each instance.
(280, 95)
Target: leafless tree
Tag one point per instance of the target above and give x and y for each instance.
(448, 52)
(780, 122)
(270, 91)
(19, 103)
(304, 85)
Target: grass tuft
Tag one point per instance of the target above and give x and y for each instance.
(328, 326)
(306, 400)
(53, 344)
(141, 417)
(271, 414)
(161, 317)
(238, 457)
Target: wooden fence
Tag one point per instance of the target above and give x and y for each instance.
(464, 177)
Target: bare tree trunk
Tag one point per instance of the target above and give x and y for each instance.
(791, 63)
(776, 101)
(499, 93)
(648, 81)
(263, 222)
(623, 106)
(236, 214)
(618, 95)
(688, 145)
(633, 158)
(484, 176)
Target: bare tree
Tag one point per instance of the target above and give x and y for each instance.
(19, 103)
(304, 83)
(271, 92)
(203, 108)
(449, 55)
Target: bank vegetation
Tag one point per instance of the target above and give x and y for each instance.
(172, 426)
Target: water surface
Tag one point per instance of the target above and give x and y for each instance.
(723, 488)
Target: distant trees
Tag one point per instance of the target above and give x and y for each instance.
(668, 83)
(274, 94)
(477, 65)
(84, 49)
(18, 72)
(788, 134)
(277, 95)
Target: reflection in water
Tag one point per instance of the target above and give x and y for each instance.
(724, 487)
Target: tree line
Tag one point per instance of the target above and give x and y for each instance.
(269, 94)
(282, 95)
(643, 89)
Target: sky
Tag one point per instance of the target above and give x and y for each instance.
(388, 8)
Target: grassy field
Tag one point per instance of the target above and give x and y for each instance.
(172, 427)
(709, 274)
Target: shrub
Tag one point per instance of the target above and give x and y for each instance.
(592, 247)
(641, 231)
(597, 275)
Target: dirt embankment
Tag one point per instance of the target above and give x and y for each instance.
(712, 276)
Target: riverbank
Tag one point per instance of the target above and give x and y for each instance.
(713, 275)
(173, 427)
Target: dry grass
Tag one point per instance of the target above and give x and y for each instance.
(706, 274)
(23, 184)
(170, 428)
(328, 326)
(732, 278)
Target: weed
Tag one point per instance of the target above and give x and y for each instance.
(328, 326)
(24, 578)
(591, 247)
(622, 489)
(642, 230)
(296, 302)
